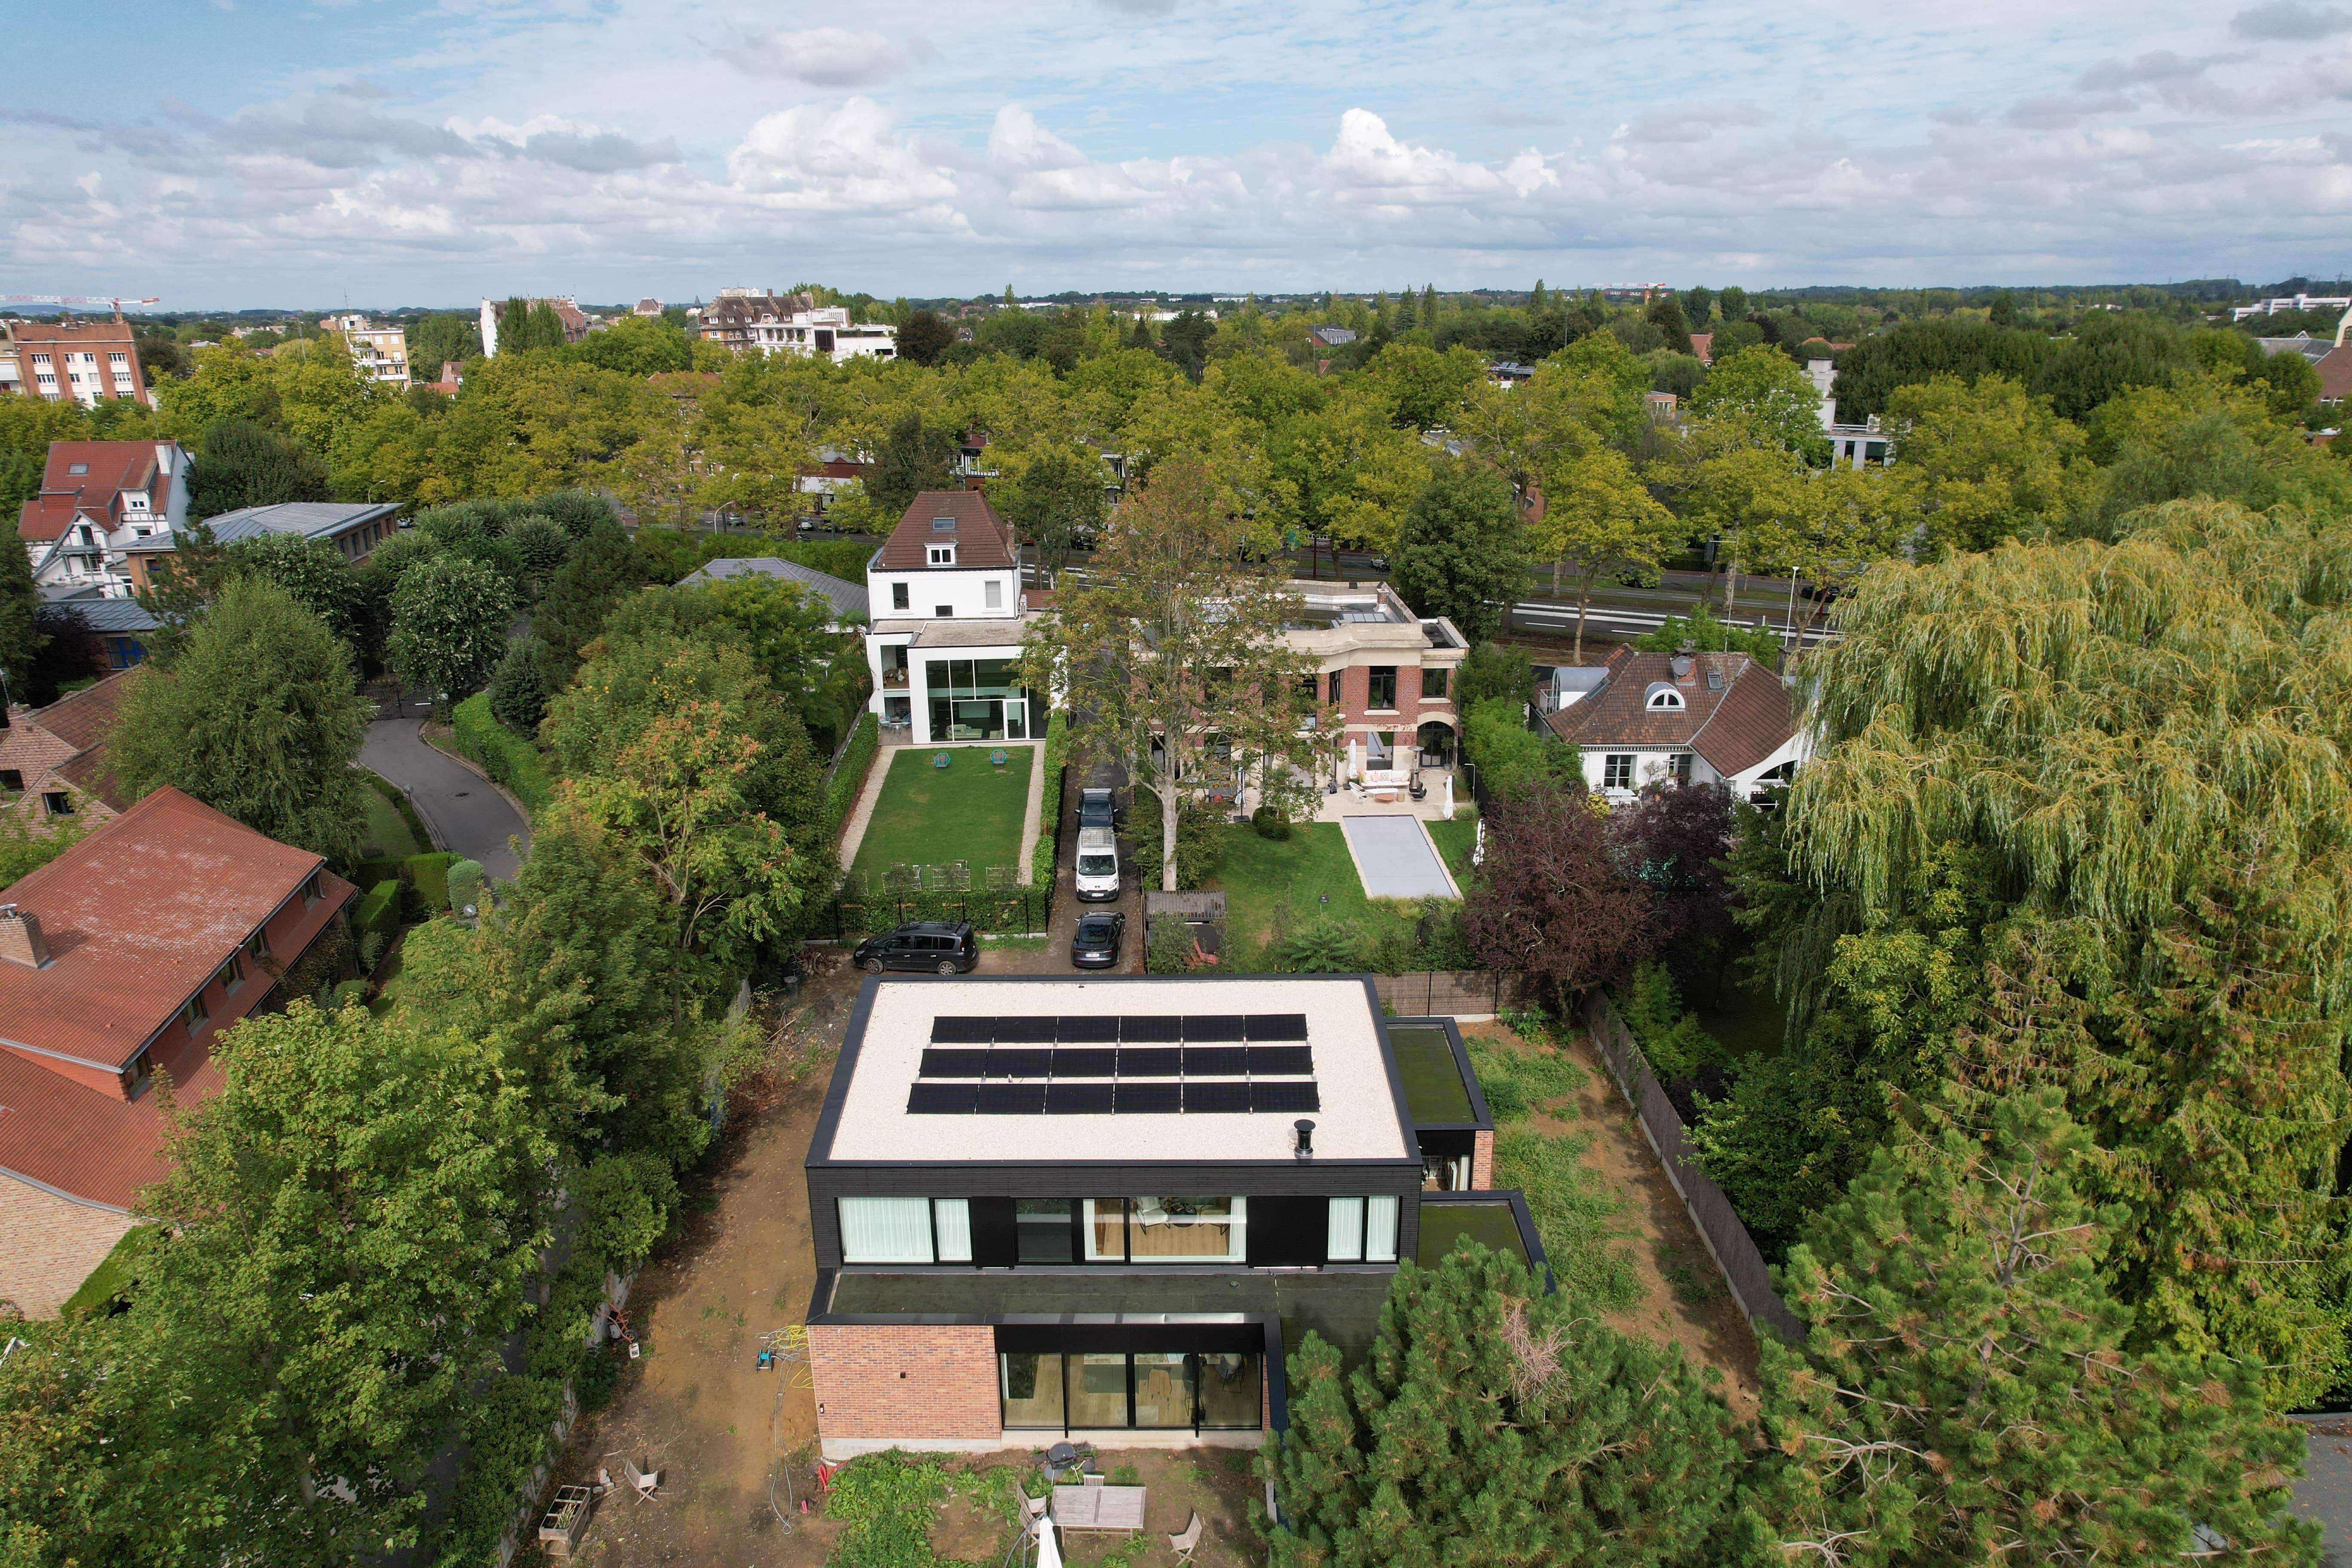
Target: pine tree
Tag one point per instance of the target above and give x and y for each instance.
(605, 567)
(1494, 1425)
(20, 636)
(1429, 306)
(1536, 300)
(519, 686)
(1964, 1395)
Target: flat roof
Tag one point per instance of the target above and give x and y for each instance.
(958, 1068)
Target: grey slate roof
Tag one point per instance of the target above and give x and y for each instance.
(848, 600)
(113, 615)
(309, 518)
(2304, 344)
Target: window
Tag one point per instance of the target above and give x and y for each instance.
(1380, 1227)
(1617, 771)
(1334, 698)
(943, 612)
(311, 890)
(1064, 1392)
(118, 360)
(11, 780)
(951, 1226)
(1662, 698)
(887, 1230)
(1432, 682)
(56, 802)
(1031, 1385)
(898, 596)
(1345, 1243)
(256, 946)
(943, 525)
(231, 974)
(193, 1016)
(1682, 767)
(941, 556)
(1040, 1230)
(993, 594)
(1383, 687)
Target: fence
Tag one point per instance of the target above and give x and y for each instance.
(1449, 993)
(1011, 911)
(1718, 1227)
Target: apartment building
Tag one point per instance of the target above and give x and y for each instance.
(1101, 1208)
(752, 322)
(104, 509)
(378, 354)
(85, 362)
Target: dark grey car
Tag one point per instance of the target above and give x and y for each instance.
(1095, 943)
(928, 946)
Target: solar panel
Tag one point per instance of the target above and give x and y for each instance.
(1215, 1061)
(1077, 1099)
(951, 1063)
(940, 1099)
(1085, 1061)
(962, 1031)
(1160, 1061)
(1284, 1097)
(1276, 1027)
(1088, 1031)
(1214, 1027)
(1280, 1061)
(1142, 1030)
(1026, 1031)
(1150, 1098)
(1020, 1061)
(1228, 1096)
(1010, 1098)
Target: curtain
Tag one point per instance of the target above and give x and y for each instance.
(951, 1218)
(1381, 1229)
(1346, 1241)
(888, 1230)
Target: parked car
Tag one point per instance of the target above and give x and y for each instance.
(1097, 808)
(1096, 945)
(1097, 864)
(930, 946)
(1823, 592)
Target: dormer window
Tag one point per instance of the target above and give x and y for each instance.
(70, 467)
(1662, 698)
(942, 554)
(943, 525)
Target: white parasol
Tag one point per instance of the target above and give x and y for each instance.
(1048, 1554)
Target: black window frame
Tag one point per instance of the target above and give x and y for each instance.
(1195, 1368)
(11, 780)
(1433, 681)
(901, 598)
(58, 802)
(1377, 677)
(1336, 699)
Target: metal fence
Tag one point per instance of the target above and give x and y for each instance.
(1449, 993)
(1008, 912)
(1719, 1227)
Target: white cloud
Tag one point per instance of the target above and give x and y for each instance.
(824, 57)
(1366, 159)
(850, 159)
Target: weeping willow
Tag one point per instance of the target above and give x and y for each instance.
(2150, 739)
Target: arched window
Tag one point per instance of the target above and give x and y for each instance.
(1663, 696)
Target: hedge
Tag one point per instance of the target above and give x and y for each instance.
(1008, 909)
(505, 756)
(1049, 813)
(848, 779)
(378, 912)
(429, 875)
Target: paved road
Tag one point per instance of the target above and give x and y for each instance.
(463, 810)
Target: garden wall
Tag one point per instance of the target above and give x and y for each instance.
(1735, 1251)
(1449, 993)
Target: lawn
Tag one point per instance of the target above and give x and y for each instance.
(1455, 841)
(969, 811)
(1307, 875)
(388, 835)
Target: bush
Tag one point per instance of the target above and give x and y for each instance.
(1670, 1036)
(1510, 756)
(519, 686)
(1170, 946)
(465, 886)
(1049, 818)
(348, 993)
(1200, 842)
(505, 756)
(848, 779)
(1270, 823)
(376, 917)
(1329, 944)
(429, 875)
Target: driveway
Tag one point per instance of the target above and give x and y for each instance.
(462, 810)
(1395, 859)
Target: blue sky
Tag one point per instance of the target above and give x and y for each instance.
(257, 153)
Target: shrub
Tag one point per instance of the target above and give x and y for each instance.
(1669, 1036)
(348, 993)
(841, 791)
(519, 686)
(505, 756)
(429, 875)
(465, 886)
(1270, 823)
(1170, 948)
(1329, 944)
(884, 1503)
(375, 920)
(1056, 758)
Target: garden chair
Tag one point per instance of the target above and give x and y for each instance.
(939, 760)
(1185, 1541)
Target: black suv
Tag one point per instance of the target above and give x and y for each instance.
(931, 946)
(1097, 808)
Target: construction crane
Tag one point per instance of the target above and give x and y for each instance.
(118, 302)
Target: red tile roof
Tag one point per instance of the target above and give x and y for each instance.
(982, 538)
(112, 467)
(1734, 729)
(86, 1144)
(138, 915)
(2335, 370)
(86, 717)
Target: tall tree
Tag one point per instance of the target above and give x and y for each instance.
(1666, 313)
(915, 457)
(1768, 391)
(20, 634)
(1966, 1394)
(1059, 501)
(449, 627)
(1172, 651)
(1461, 550)
(924, 338)
(313, 572)
(604, 568)
(1984, 463)
(1553, 901)
(258, 718)
(1601, 519)
(240, 464)
(1493, 1423)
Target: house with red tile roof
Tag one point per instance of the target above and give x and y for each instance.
(53, 759)
(1687, 717)
(96, 498)
(123, 959)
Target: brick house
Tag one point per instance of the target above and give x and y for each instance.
(124, 957)
(81, 361)
(989, 1275)
(1389, 673)
(1688, 718)
(103, 508)
(53, 759)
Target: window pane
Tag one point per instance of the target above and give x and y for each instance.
(1099, 1390)
(952, 1217)
(1031, 1385)
(1229, 1390)
(1432, 682)
(1163, 1388)
(1346, 1243)
(1106, 1224)
(1187, 1229)
(885, 1231)
(1381, 1229)
(1041, 1229)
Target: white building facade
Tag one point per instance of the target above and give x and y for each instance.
(949, 615)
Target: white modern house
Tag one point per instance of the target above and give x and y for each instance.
(749, 319)
(949, 615)
(1681, 718)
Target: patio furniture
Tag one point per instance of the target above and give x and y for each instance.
(1420, 790)
(1186, 1540)
(1066, 1457)
(997, 756)
(1116, 1508)
(939, 760)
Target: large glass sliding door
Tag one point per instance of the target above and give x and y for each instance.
(976, 700)
(1094, 1391)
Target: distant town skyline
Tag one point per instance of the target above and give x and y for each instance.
(397, 152)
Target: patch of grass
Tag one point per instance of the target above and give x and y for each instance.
(1517, 1079)
(969, 810)
(1455, 841)
(1693, 1285)
(1574, 1214)
(1289, 879)
(388, 835)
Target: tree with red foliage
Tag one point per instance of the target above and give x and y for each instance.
(1674, 839)
(1552, 901)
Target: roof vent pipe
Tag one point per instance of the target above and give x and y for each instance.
(1305, 1130)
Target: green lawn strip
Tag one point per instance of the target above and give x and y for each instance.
(969, 810)
(388, 836)
(1455, 841)
(1576, 1215)
(1292, 876)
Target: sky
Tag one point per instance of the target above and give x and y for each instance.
(240, 153)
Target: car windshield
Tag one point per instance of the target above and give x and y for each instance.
(1098, 865)
(1094, 930)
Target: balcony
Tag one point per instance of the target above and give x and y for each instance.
(894, 679)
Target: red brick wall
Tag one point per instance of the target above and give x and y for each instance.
(49, 1245)
(906, 1381)
(1482, 1160)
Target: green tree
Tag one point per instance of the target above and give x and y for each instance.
(1965, 1392)
(1666, 313)
(1460, 551)
(313, 572)
(448, 627)
(915, 457)
(1493, 1423)
(1058, 501)
(924, 338)
(519, 686)
(1983, 463)
(21, 639)
(240, 464)
(540, 547)
(258, 718)
(1604, 518)
(604, 569)
(1767, 390)
(1510, 756)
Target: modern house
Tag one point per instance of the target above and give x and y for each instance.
(1049, 1208)
(1683, 718)
(949, 615)
(53, 759)
(355, 528)
(102, 506)
(86, 361)
(749, 321)
(122, 958)
(848, 599)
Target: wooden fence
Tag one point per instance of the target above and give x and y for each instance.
(1718, 1227)
(1449, 993)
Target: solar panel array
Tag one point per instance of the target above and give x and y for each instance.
(1224, 1063)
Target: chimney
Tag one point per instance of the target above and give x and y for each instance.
(1305, 1130)
(20, 938)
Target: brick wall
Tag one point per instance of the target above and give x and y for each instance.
(1482, 1160)
(49, 1245)
(905, 1382)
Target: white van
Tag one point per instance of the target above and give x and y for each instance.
(1098, 865)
